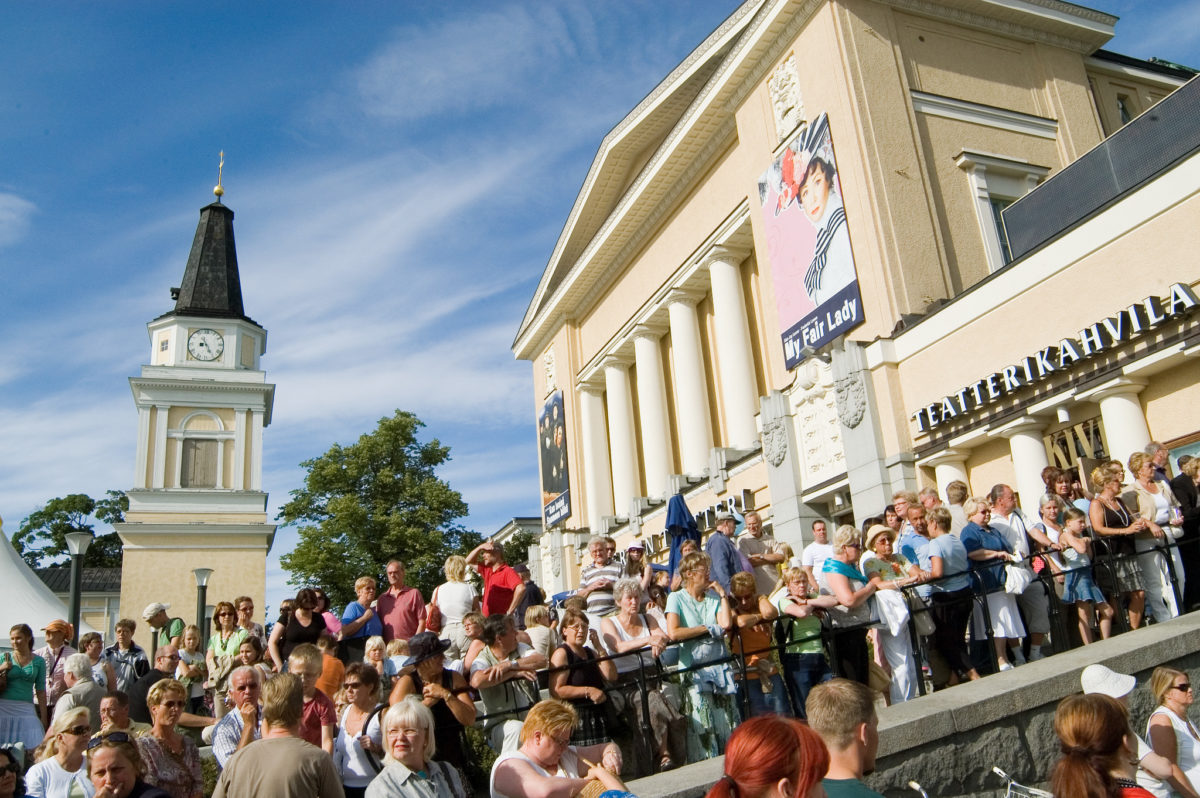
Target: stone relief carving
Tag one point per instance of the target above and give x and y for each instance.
(818, 430)
(851, 399)
(786, 103)
(548, 367)
(774, 437)
(556, 561)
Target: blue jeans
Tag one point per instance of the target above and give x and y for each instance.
(772, 703)
(804, 672)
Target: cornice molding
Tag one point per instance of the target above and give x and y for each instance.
(944, 11)
(989, 116)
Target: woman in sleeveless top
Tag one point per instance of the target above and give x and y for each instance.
(1113, 523)
(1170, 731)
(581, 680)
(443, 691)
(361, 735)
(303, 625)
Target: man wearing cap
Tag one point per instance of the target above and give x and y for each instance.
(1153, 769)
(55, 653)
(726, 559)
(170, 630)
(763, 553)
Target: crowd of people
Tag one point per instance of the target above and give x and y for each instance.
(639, 671)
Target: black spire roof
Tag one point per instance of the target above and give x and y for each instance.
(211, 286)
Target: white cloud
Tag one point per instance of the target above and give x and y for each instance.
(15, 214)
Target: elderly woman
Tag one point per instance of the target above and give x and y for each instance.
(12, 785)
(59, 772)
(172, 760)
(547, 765)
(443, 691)
(359, 621)
(1158, 506)
(360, 735)
(889, 570)
(1172, 734)
(988, 552)
(950, 594)
(579, 679)
(21, 720)
(841, 579)
(92, 644)
(698, 615)
(55, 653)
(1116, 526)
(632, 631)
(409, 746)
(302, 625)
(116, 768)
(454, 599)
(222, 653)
(759, 683)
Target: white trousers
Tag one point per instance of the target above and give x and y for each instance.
(897, 649)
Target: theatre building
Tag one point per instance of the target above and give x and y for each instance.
(847, 248)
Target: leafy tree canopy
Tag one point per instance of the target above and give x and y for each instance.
(42, 537)
(379, 498)
(516, 548)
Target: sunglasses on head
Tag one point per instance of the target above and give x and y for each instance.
(111, 737)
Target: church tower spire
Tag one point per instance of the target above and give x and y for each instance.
(211, 284)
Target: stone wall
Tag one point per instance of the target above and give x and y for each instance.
(949, 741)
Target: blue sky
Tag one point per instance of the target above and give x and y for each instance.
(399, 171)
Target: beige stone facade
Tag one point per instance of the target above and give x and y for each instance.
(656, 314)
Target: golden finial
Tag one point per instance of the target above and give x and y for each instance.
(218, 190)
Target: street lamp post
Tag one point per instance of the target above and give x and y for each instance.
(202, 575)
(77, 544)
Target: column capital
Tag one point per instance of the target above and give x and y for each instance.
(593, 385)
(724, 253)
(1126, 386)
(684, 296)
(944, 457)
(616, 361)
(649, 329)
(1022, 426)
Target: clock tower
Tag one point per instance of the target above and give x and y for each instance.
(203, 401)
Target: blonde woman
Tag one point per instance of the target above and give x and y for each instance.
(989, 553)
(454, 598)
(1113, 523)
(841, 578)
(60, 771)
(1172, 734)
(172, 759)
(1158, 506)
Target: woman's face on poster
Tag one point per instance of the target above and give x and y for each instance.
(814, 194)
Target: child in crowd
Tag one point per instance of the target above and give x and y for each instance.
(375, 655)
(542, 637)
(1080, 589)
(192, 669)
(318, 722)
(473, 627)
(251, 653)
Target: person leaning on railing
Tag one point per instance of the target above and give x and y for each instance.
(841, 579)
(804, 662)
(951, 595)
(699, 619)
(1113, 523)
(758, 678)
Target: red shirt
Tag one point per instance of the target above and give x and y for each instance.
(402, 614)
(318, 712)
(499, 584)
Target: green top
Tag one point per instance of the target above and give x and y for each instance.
(231, 646)
(174, 628)
(23, 681)
(805, 636)
(848, 788)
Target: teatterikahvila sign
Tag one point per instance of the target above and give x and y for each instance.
(1125, 325)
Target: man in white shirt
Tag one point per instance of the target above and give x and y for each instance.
(957, 493)
(1009, 521)
(815, 553)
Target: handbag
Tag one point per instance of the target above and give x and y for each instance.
(1017, 578)
(433, 614)
(922, 618)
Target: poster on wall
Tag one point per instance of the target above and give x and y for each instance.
(552, 450)
(808, 244)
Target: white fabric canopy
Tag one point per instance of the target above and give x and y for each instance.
(25, 598)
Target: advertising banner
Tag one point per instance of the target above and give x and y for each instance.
(808, 244)
(552, 449)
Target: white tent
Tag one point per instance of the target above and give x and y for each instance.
(24, 598)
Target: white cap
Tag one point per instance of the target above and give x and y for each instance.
(1099, 679)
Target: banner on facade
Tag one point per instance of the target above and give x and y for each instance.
(808, 244)
(552, 450)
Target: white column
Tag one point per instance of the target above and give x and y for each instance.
(160, 446)
(735, 357)
(948, 466)
(691, 390)
(597, 480)
(256, 431)
(652, 408)
(143, 448)
(239, 450)
(622, 439)
(1125, 429)
(1025, 442)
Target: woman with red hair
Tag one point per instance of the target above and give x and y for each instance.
(773, 757)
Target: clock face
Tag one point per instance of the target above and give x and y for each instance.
(205, 344)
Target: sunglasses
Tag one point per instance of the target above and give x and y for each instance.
(352, 685)
(1183, 688)
(225, 614)
(78, 731)
(172, 704)
(111, 737)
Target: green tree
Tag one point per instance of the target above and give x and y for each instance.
(42, 537)
(376, 499)
(516, 548)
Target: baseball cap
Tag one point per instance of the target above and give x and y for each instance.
(1099, 679)
(154, 609)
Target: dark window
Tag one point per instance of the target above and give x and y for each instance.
(199, 464)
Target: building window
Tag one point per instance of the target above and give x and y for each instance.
(199, 464)
(995, 183)
(1125, 109)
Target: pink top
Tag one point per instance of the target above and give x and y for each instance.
(333, 624)
(401, 614)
